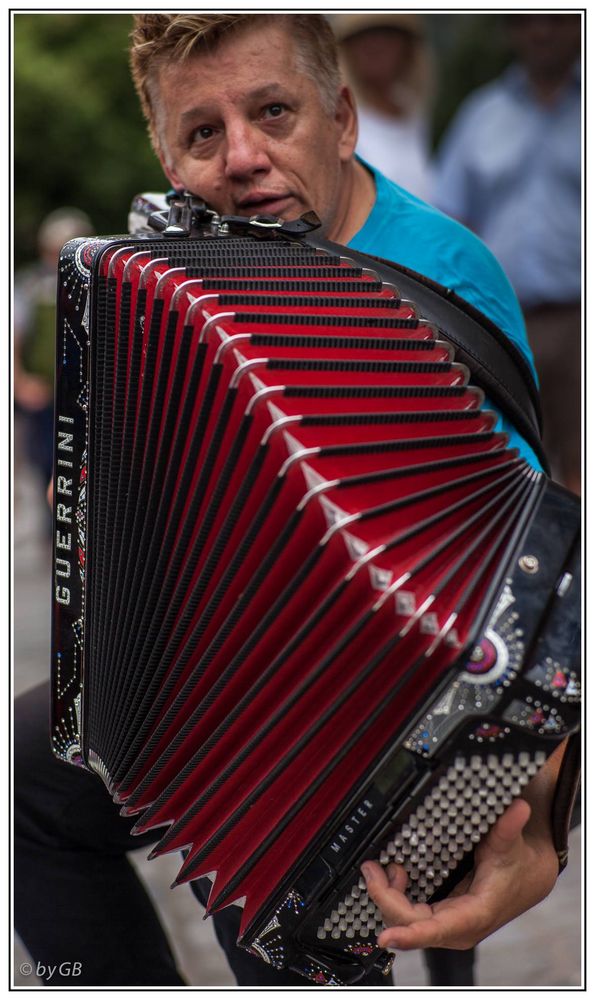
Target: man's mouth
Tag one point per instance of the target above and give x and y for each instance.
(265, 203)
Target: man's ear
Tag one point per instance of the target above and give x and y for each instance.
(170, 172)
(346, 121)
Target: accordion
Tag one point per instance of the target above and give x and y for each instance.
(310, 606)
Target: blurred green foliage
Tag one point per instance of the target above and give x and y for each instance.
(79, 136)
(471, 50)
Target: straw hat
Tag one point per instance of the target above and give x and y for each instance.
(347, 25)
(415, 87)
(61, 225)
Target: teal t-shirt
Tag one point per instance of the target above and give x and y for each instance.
(402, 228)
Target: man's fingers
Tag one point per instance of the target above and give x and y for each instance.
(419, 935)
(509, 827)
(386, 889)
(379, 877)
(422, 934)
(459, 924)
(397, 877)
(375, 875)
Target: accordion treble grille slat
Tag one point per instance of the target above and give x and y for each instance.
(300, 536)
(275, 284)
(375, 322)
(273, 301)
(239, 250)
(313, 271)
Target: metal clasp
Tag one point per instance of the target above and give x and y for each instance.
(266, 221)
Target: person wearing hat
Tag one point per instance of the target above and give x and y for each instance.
(387, 63)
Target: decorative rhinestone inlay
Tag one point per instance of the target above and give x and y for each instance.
(269, 944)
(476, 690)
(557, 680)
(536, 715)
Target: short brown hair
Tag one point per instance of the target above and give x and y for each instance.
(160, 38)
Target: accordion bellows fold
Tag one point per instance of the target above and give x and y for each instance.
(310, 607)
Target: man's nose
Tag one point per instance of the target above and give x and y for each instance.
(246, 150)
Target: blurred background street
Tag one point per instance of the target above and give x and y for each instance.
(542, 948)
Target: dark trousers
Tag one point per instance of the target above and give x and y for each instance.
(77, 897)
(554, 332)
(450, 968)
(39, 440)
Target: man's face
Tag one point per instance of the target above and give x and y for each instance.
(245, 129)
(547, 44)
(380, 56)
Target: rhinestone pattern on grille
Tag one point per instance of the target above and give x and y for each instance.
(450, 820)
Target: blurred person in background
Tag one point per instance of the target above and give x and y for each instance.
(510, 169)
(388, 65)
(35, 337)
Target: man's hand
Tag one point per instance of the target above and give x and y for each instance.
(516, 866)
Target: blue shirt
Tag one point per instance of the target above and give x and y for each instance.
(510, 168)
(406, 230)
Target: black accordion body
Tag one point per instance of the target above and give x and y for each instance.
(310, 607)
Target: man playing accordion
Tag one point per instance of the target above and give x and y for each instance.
(249, 113)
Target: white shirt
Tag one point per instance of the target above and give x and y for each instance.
(398, 147)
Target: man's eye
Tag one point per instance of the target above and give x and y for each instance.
(202, 133)
(274, 110)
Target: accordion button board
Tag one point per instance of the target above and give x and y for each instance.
(310, 607)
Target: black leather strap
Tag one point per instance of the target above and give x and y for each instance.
(496, 364)
(564, 797)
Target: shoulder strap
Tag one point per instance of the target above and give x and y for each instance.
(496, 364)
